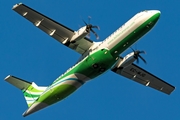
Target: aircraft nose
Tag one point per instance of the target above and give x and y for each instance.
(157, 13)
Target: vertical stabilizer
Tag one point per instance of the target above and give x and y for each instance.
(30, 90)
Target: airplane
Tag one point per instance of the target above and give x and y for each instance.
(96, 57)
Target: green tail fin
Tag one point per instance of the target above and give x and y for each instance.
(30, 90)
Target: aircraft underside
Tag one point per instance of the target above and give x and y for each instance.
(95, 60)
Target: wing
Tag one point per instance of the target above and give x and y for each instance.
(143, 77)
(56, 30)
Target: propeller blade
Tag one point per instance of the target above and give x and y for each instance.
(137, 60)
(97, 37)
(142, 59)
(85, 22)
(142, 52)
(89, 28)
(137, 55)
(96, 27)
(132, 49)
(89, 19)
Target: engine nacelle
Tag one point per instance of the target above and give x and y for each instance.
(126, 61)
(81, 33)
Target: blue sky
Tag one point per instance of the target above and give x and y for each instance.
(30, 54)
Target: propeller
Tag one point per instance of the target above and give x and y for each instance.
(137, 55)
(89, 28)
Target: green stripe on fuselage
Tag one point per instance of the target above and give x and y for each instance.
(101, 57)
(56, 94)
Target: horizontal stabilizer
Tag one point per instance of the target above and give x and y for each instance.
(17, 82)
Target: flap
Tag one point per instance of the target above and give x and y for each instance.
(17, 82)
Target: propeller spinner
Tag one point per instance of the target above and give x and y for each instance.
(137, 55)
(89, 28)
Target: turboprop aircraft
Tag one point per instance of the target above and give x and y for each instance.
(96, 57)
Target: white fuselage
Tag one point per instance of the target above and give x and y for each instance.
(126, 29)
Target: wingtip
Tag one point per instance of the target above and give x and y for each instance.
(7, 77)
(16, 5)
(169, 92)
